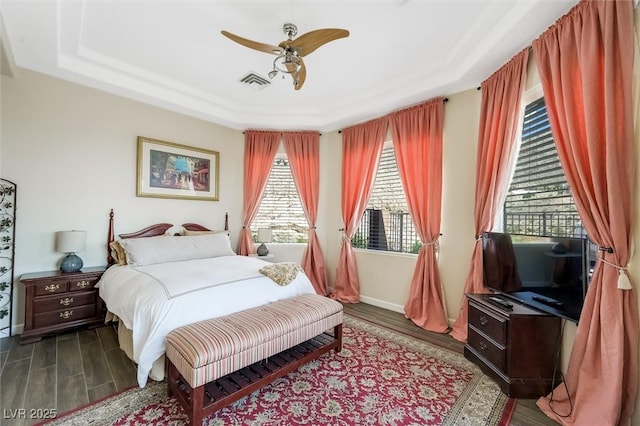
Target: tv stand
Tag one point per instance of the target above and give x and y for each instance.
(515, 346)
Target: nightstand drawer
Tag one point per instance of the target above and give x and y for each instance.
(492, 326)
(63, 301)
(493, 353)
(82, 284)
(64, 315)
(51, 287)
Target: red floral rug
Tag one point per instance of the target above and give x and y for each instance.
(381, 377)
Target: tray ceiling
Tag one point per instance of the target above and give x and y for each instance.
(171, 54)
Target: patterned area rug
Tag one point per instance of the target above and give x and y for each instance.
(381, 377)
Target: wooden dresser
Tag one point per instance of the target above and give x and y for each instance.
(57, 301)
(516, 347)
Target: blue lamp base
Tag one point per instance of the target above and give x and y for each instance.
(71, 263)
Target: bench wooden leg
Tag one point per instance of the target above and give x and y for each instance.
(197, 409)
(337, 333)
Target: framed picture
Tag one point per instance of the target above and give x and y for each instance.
(170, 170)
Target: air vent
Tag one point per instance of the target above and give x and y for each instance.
(254, 80)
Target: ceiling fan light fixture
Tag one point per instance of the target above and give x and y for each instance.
(290, 52)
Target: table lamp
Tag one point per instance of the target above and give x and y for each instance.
(264, 236)
(71, 242)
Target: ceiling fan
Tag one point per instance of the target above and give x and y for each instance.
(291, 51)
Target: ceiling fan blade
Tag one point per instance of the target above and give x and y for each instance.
(262, 47)
(298, 76)
(307, 43)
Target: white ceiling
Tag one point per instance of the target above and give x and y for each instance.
(170, 53)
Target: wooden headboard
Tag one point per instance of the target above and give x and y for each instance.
(152, 231)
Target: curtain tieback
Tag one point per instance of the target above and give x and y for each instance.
(623, 279)
(435, 243)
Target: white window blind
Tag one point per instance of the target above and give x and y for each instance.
(280, 208)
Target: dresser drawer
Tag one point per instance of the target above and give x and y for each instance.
(82, 284)
(491, 325)
(45, 288)
(64, 315)
(63, 301)
(493, 353)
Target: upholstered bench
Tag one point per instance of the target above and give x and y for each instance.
(213, 363)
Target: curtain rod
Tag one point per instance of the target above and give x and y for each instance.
(445, 101)
(287, 131)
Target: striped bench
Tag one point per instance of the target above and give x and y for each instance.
(212, 363)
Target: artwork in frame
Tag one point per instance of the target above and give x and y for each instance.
(171, 170)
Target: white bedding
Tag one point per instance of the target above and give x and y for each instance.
(152, 300)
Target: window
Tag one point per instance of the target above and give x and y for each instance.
(539, 200)
(386, 224)
(280, 208)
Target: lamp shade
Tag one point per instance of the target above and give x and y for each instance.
(71, 241)
(264, 235)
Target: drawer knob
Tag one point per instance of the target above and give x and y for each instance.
(484, 321)
(52, 287)
(66, 314)
(66, 301)
(483, 346)
(83, 284)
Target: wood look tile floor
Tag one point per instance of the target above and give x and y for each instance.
(70, 370)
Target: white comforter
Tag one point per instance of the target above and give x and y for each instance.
(152, 300)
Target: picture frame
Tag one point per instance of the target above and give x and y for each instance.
(171, 170)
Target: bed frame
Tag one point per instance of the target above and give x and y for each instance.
(152, 231)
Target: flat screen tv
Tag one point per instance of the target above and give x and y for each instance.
(549, 274)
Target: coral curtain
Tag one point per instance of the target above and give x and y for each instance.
(417, 143)
(361, 151)
(585, 63)
(303, 151)
(260, 149)
(500, 117)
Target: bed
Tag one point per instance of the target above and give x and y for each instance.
(157, 282)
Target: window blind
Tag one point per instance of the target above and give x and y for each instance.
(280, 208)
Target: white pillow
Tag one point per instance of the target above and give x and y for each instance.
(150, 250)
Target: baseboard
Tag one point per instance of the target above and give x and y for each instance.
(382, 304)
(392, 306)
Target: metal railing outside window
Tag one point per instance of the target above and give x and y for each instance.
(387, 231)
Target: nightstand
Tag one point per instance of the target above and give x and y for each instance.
(56, 301)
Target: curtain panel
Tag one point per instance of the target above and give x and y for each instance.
(260, 149)
(585, 63)
(417, 142)
(361, 151)
(303, 151)
(500, 121)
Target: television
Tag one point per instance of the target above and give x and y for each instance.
(547, 273)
